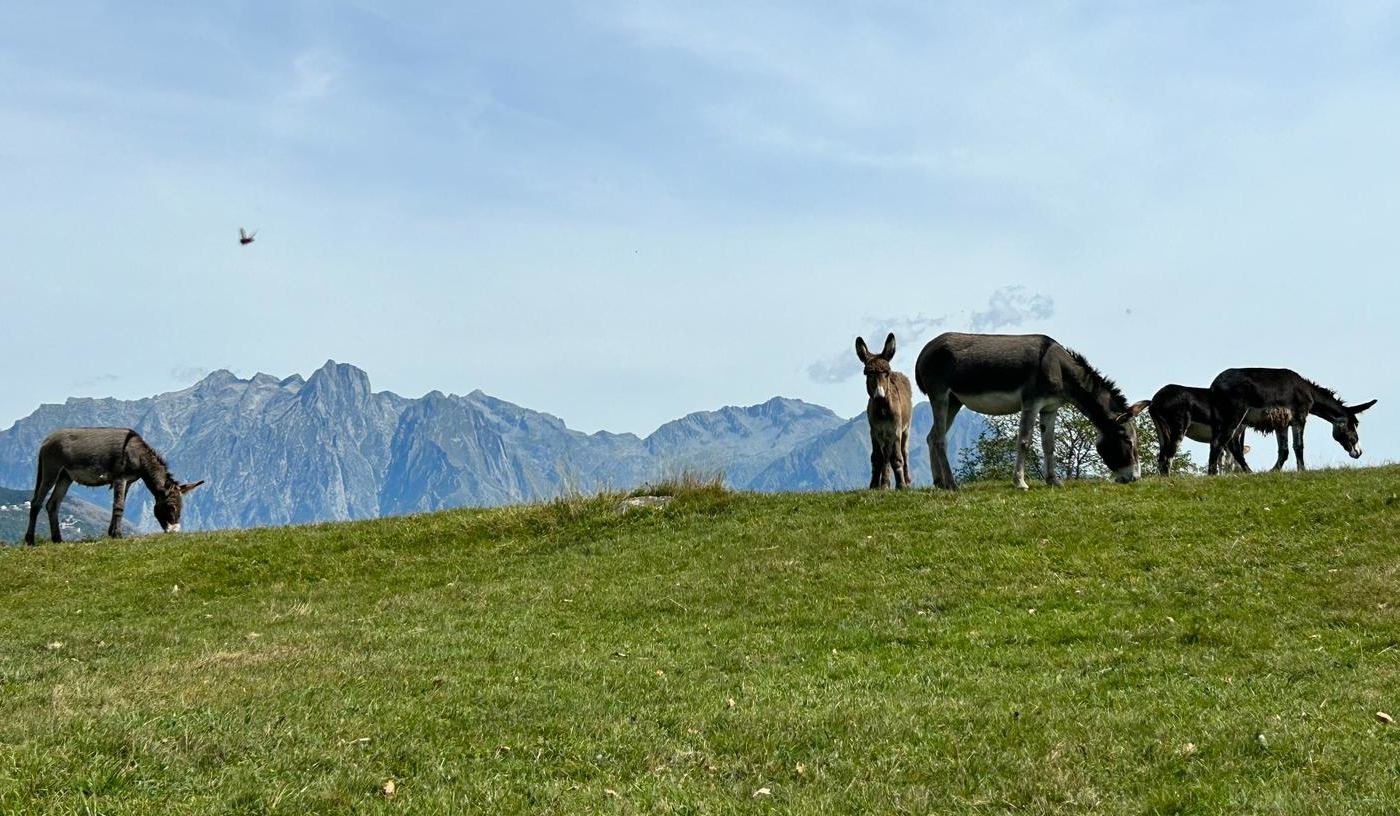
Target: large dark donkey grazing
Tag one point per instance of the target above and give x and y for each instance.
(1029, 374)
(103, 456)
(1184, 411)
(889, 410)
(1273, 400)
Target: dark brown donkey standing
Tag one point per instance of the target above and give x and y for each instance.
(888, 411)
(1183, 411)
(1273, 400)
(103, 456)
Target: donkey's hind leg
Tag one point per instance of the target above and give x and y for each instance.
(1223, 427)
(1169, 436)
(1297, 443)
(938, 440)
(43, 483)
(1237, 449)
(60, 489)
(902, 476)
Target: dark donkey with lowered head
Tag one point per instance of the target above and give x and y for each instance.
(1184, 411)
(1029, 374)
(1272, 400)
(103, 456)
(889, 411)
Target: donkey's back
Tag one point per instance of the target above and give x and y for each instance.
(985, 363)
(91, 456)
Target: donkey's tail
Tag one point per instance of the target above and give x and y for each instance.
(38, 478)
(919, 376)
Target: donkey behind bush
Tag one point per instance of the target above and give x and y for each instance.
(103, 456)
(1179, 411)
(889, 411)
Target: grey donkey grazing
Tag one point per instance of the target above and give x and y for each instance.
(889, 411)
(1026, 374)
(103, 456)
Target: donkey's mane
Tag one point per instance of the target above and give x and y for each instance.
(147, 450)
(1117, 401)
(1324, 389)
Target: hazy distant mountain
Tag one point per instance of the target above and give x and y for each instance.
(276, 451)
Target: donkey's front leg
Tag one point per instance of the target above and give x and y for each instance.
(1297, 444)
(1282, 435)
(1023, 447)
(114, 530)
(1047, 446)
(879, 467)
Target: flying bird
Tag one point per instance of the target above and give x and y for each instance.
(244, 237)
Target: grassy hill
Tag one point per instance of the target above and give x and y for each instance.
(1188, 645)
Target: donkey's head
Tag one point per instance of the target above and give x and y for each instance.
(877, 367)
(1344, 428)
(1117, 443)
(168, 505)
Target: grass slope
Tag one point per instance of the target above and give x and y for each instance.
(1175, 646)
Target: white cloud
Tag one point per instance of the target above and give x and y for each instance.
(842, 366)
(1008, 307)
(1012, 306)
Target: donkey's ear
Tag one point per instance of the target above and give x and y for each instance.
(1133, 410)
(185, 488)
(1356, 409)
(861, 351)
(888, 352)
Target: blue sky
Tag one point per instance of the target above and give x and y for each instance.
(620, 212)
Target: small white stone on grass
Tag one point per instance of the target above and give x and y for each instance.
(639, 502)
(1385, 718)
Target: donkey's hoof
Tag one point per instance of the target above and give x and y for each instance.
(1021, 486)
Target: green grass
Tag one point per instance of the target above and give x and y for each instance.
(1188, 645)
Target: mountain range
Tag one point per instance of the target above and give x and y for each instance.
(293, 450)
